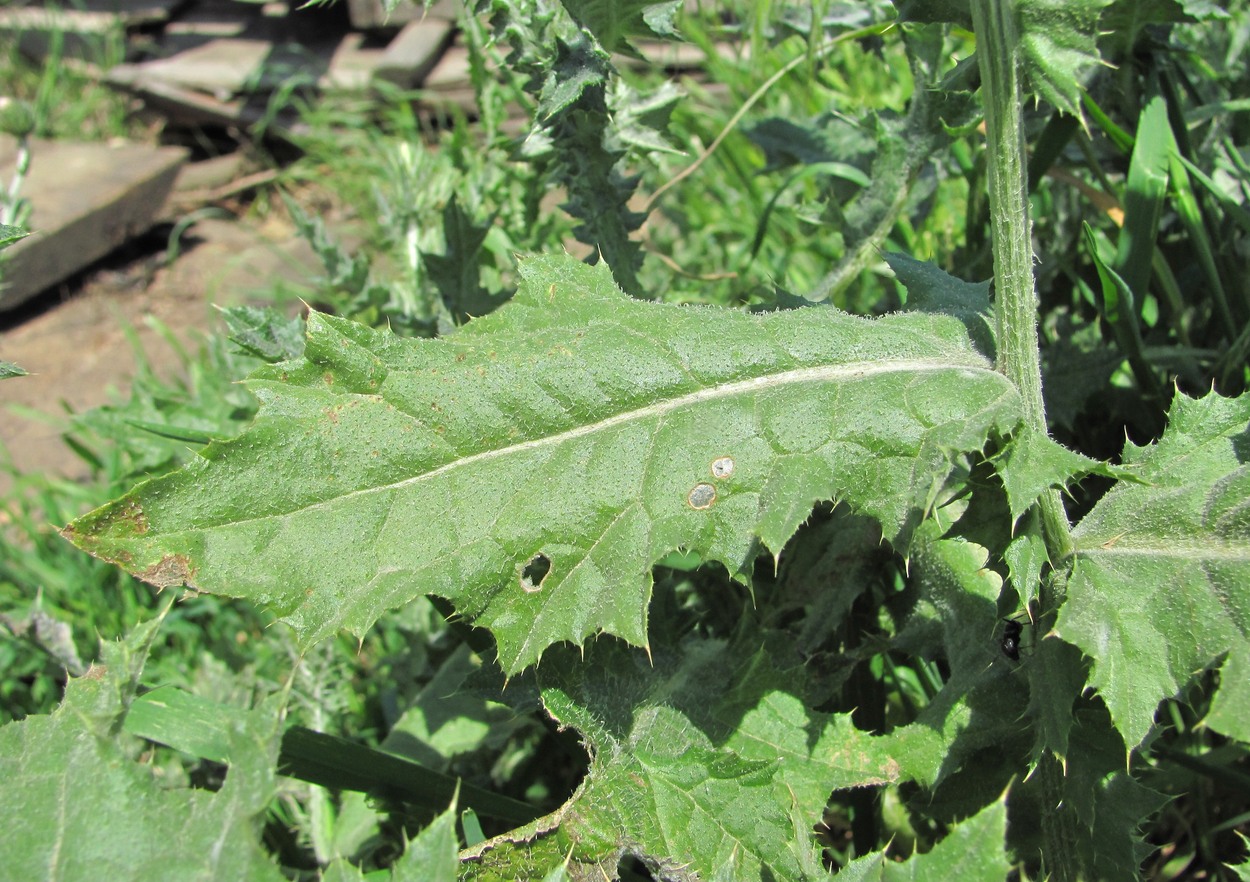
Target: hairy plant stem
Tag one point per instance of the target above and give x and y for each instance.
(1015, 298)
(995, 23)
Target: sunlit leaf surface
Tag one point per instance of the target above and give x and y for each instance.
(1162, 582)
(534, 465)
(78, 805)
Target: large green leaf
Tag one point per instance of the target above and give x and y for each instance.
(1161, 588)
(533, 466)
(77, 805)
(704, 758)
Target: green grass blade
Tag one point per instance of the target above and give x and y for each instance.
(175, 433)
(1119, 137)
(1190, 213)
(1116, 304)
(203, 729)
(1144, 196)
(341, 764)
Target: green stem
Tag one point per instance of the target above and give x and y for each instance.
(1015, 313)
(1015, 309)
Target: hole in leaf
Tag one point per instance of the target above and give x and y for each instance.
(701, 496)
(534, 572)
(722, 467)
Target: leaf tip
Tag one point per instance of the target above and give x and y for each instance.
(107, 531)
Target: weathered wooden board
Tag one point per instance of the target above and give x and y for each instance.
(414, 52)
(88, 16)
(86, 200)
(81, 31)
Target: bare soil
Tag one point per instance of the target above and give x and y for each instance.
(74, 340)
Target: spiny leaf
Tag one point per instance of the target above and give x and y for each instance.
(77, 806)
(578, 66)
(264, 333)
(531, 467)
(1124, 20)
(512, 856)
(1108, 803)
(639, 119)
(958, 595)
(613, 22)
(10, 234)
(1033, 463)
(787, 142)
(8, 370)
(1058, 42)
(431, 856)
(704, 757)
(1026, 556)
(457, 272)
(1161, 587)
(932, 289)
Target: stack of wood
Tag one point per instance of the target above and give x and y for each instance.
(220, 64)
(198, 63)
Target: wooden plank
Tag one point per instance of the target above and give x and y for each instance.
(350, 65)
(84, 31)
(192, 107)
(86, 200)
(89, 16)
(220, 67)
(452, 70)
(207, 19)
(250, 64)
(411, 56)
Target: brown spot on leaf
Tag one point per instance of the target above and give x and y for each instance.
(131, 511)
(173, 569)
(124, 518)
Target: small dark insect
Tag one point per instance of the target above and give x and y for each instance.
(1010, 644)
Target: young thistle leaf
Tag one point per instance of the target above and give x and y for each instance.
(1160, 591)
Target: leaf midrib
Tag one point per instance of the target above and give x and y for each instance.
(797, 376)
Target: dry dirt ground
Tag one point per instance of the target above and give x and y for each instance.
(73, 340)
